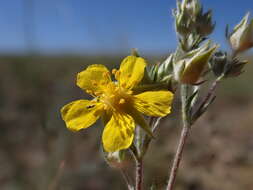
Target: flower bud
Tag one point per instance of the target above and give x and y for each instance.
(189, 69)
(222, 65)
(218, 63)
(116, 159)
(185, 15)
(192, 7)
(190, 19)
(241, 38)
(204, 24)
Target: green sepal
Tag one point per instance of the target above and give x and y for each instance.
(138, 118)
(189, 103)
(195, 66)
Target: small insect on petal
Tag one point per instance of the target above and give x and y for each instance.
(90, 106)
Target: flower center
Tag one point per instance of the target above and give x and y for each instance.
(115, 97)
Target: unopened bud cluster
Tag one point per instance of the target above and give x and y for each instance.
(191, 23)
(188, 63)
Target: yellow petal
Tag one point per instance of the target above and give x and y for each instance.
(81, 114)
(154, 103)
(131, 71)
(118, 133)
(94, 78)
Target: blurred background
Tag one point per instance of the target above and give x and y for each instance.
(45, 43)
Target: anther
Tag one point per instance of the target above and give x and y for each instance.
(130, 92)
(123, 85)
(88, 91)
(117, 74)
(122, 101)
(93, 101)
(106, 107)
(117, 88)
(97, 93)
(106, 74)
(114, 71)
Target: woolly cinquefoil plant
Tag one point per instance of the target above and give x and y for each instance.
(132, 100)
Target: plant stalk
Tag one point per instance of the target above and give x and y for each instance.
(184, 134)
(137, 154)
(139, 174)
(186, 129)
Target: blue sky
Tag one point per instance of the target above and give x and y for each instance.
(113, 26)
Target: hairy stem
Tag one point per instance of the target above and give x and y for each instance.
(136, 151)
(139, 174)
(178, 157)
(184, 134)
(186, 129)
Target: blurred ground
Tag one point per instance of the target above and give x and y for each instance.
(38, 153)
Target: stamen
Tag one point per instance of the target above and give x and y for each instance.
(114, 71)
(89, 91)
(106, 107)
(94, 101)
(123, 85)
(97, 93)
(117, 89)
(130, 92)
(106, 74)
(122, 101)
(117, 74)
(129, 76)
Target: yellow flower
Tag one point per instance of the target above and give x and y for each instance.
(116, 102)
